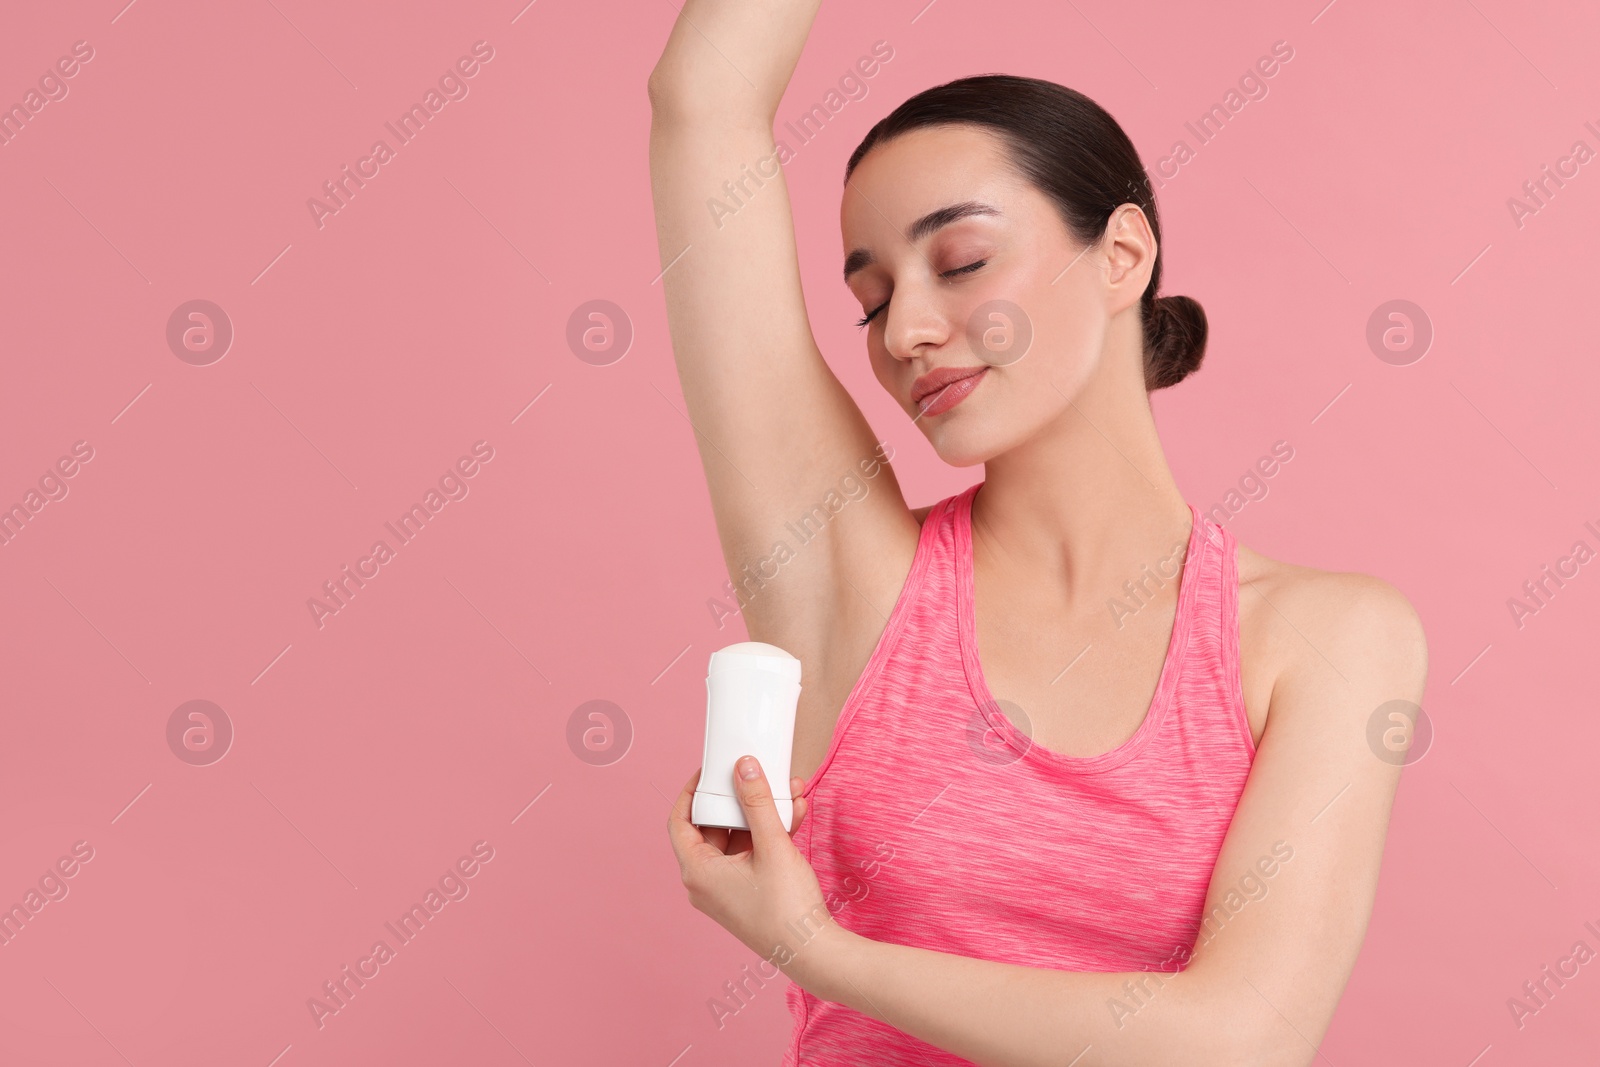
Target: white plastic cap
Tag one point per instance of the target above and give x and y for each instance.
(756, 655)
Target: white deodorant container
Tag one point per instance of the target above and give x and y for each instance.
(752, 689)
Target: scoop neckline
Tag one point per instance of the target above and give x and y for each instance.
(994, 714)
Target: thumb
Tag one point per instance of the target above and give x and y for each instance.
(755, 797)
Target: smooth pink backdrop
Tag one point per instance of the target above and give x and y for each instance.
(430, 712)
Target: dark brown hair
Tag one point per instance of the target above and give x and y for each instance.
(1074, 152)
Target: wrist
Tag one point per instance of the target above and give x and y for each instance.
(826, 961)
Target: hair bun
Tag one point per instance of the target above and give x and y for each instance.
(1175, 340)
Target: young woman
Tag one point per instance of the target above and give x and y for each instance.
(1081, 780)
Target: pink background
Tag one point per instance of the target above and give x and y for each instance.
(432, 710)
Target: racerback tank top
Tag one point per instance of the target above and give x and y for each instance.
(935, 822)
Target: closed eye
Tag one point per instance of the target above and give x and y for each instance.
(969, 268)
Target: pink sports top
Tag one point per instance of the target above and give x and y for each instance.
(935, 822)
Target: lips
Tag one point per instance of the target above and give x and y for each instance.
(936, 380)
(938, 391)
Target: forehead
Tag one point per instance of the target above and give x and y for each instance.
(920, 171)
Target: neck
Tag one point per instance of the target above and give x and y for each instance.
(1084, 504)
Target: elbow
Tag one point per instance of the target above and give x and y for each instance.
(679, 103)
(684, 97)
(664, 82)
(670, 99)
(659, 89)
(672, 90)
(658, 86)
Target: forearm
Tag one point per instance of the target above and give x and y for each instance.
(730, 56)
(1004, 1015)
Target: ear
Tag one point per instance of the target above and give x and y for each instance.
(1130, 250)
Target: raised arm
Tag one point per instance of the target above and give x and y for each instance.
(777, 432)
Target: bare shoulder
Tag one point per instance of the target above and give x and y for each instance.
(1337, 605)
(921, 514)
(1302, 626)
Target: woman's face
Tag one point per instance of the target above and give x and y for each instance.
(983, 325)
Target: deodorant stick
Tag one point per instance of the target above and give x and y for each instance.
(752, 689)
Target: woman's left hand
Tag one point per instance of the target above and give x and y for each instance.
(754, 882)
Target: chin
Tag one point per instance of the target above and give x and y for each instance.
(983, 427)
(965, 441)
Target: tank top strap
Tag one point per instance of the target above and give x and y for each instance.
(1213, 678)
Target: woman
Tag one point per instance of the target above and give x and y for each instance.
(1080, 779)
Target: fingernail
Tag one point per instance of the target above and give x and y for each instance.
(748, 768)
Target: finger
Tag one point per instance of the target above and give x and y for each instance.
(686, 837)
(684, 804)
(715, 836)
(678, 817)
(796, 787)
(755, 797)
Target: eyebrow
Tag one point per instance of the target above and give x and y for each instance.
(861, 258)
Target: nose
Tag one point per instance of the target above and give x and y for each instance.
(914, 322)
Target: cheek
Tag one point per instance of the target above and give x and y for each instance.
(1069, 334)
(1014, 306)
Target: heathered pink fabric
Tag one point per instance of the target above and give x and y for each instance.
(934, 822)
